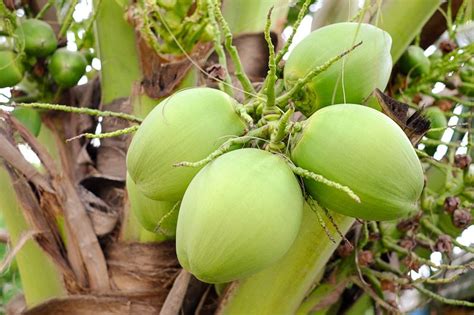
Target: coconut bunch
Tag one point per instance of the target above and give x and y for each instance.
(31, 60)
(237, 176)
(34, 42)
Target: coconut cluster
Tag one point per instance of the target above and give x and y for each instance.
(35, 40)
(32, 47)
(241, 212)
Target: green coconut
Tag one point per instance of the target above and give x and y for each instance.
(11, 70)
(414, 62)
(240, 214)
(67, 67)
(350, 80)
(187, 126)
(436, 180)
(437, 120)
(155, 216)
(37, 36)
(365, 150)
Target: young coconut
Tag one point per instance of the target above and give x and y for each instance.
(437, 120)
(240, 214)
(414, 62)
(365, 150)
(187, 126)
(38, 37)
(155, 216)
(351, 79)
(67, 67)
(11, 70)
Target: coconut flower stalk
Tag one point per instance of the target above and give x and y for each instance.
(282, 287)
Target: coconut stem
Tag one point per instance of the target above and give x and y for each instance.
(432, 228)
(269, 105)
(243, 113)
(40, 277)
(393, 246)
(234, 55)
(45, 8)
(281, 131)
(283, 99)
(226, 86)
(442, 299)
(295, 26)
(89, 27)
(321, 179)
(67, 19)
(112, 134)
(226, 147)
(281, 288)
(313, 206)
(81, 110)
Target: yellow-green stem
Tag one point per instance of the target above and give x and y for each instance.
(117, 50)
(403, 20)
(281, 288)
(41, 279)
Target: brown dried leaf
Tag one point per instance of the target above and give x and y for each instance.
(415, 125)
(102, 216)
(175, 297)
(83, 248)
(163, 73)
(131, 304)
(138, 267)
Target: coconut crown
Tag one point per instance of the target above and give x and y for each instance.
(351, 79)
(363, 149)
